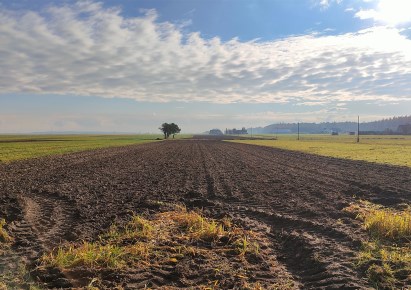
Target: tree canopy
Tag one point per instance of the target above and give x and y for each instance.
(169, 129)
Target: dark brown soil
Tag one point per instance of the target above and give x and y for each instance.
(294, 199)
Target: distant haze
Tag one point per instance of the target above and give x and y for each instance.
(386, 126)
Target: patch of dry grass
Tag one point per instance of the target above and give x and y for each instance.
(383, 223)
(4, 236)
(88, 254)
(193, 225)
(165, 238)
(386, 257)
(216, 251)
(388, 224)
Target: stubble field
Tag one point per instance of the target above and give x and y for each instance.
(281, 216)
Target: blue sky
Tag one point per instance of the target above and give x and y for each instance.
(130, 65)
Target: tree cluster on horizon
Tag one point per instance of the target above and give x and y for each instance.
(169, 129)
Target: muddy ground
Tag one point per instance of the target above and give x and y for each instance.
(294, 199)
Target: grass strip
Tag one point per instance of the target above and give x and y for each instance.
(372, 148)
(31, 146)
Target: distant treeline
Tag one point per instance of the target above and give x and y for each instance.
(395, 125)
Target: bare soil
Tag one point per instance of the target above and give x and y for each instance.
(294, 200)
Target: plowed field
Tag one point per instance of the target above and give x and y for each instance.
(294, 200)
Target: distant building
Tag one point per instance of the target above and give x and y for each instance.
(216, 132)
(351, 133)
(236, 132)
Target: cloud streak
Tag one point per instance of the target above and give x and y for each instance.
(315, 116)
(326, 3)
(85, 49)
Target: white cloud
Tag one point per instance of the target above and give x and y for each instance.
(367, 14)
(391, 12)
(85, 49)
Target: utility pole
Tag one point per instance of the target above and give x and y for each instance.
(298, 131)
(358, 130)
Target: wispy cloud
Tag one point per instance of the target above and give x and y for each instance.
(85, 49)
(316, 116)
(326, 3)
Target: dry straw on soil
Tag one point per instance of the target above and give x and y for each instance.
(164, 238)
(142, 240)
(386, 257)
(4, 236)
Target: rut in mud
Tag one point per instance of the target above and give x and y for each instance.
(294, 199)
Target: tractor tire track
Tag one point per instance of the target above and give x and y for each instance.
(303, 233)
(47, 221)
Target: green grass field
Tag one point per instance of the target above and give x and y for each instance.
(16, 147)
(395, 150)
